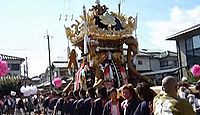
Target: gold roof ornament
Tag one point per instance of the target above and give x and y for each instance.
(100, 24)
(108, 19)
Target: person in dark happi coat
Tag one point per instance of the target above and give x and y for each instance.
(79, 110)
(52, 103)
(131, 101)
(99, 103)
(113, 106)
(146, 95)
(67, 105)
(70, 102)
(46, 103)
(89, 101)
(76, 98)
(59, 104)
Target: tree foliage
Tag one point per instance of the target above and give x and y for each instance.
(10, 83)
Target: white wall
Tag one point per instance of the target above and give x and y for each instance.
(155, 64)
(145, 63)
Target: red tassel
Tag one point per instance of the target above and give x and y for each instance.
(106, 73)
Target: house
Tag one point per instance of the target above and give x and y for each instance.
(188, 48)
(59, 69)
(12, 81)
(156, 64)
(14, 64)
(156, 60)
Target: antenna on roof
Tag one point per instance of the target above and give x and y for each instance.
(97, 1)
(119, 7)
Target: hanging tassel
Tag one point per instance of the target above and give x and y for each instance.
(115, 69)
(91, 63)
(123, 73)
(106, 73)
(83, 80)
(111, 73)
(77, 79)
(109, 55)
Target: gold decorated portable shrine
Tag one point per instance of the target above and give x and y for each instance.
(100, 35)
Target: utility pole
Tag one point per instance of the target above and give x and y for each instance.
(50, 68)
(26, 67)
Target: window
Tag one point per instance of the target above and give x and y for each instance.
(175, 63)
(14, 67)
(140, 62)
(189, 44)
(196, 41)
(164, 63)
(193, 50)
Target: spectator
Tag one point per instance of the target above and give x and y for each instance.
(76, 98)
(79, 109)
(146, 95)
(1, 106)
(36, 104)
(90, 100)
(9, 104)
(67, 104)
(46, 102)
(131, 101)
(59, 104)
(113, 107)
(99, 103)
(168, 103)
(183, 90)
(21, 106)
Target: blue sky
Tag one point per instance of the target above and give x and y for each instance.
(23, 25)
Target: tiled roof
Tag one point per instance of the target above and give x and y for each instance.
(7, 57)
(161, 71)
(159, 54)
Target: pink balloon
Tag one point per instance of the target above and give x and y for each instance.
(196, 70)
(57, 82)
(3, 68)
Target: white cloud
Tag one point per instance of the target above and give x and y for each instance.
(179, 20)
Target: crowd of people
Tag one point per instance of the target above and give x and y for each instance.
(126, 100)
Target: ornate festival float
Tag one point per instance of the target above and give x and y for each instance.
(100, 35)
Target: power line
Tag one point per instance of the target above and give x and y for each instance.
(22, 50)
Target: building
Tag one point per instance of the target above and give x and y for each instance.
(156, 60)
(13, 80)
(188, 48)
(59, 69)
(14, 64)
(156, 64)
